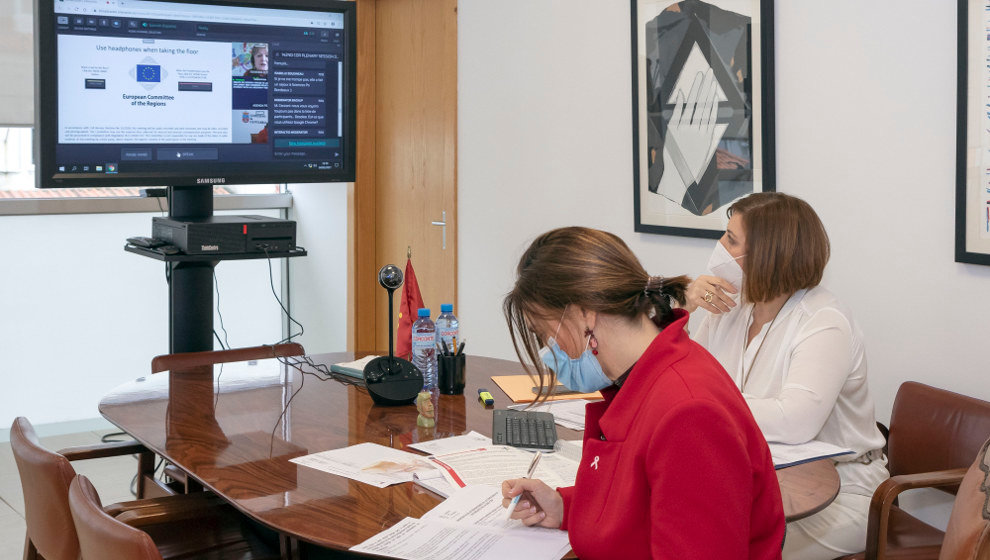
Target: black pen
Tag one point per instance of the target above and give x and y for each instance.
(460, 349)
(446, 352)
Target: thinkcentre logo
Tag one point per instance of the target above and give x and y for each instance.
(209, 248)
(211, 180)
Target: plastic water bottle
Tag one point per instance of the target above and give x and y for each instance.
(424, 348)
(448, 328)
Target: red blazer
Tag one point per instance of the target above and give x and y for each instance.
(674, 466)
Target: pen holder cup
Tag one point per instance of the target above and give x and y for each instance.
(451, 371)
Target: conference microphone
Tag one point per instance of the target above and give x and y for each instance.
(392, 380)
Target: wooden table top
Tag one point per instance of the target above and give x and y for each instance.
(238, 442)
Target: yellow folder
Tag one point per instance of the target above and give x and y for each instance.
(519, 389)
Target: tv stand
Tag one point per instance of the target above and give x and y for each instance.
(190, 289)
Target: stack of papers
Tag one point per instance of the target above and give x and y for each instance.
(567, 414)
(372, 464)
(785, 455)
(470, 525)
(493, 464)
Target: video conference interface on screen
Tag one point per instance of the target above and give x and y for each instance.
(143, 85)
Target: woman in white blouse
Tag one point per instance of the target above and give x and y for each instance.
(795, 353)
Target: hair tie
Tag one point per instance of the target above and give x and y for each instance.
(653, 284)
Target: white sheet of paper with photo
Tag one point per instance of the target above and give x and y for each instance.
(371, 463)
(564, 459)
(497, 463)
(440, 446)
(688, 147)
(471, 524)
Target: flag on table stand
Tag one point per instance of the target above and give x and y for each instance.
(412, 300)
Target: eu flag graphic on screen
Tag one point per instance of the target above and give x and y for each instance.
(149, 73)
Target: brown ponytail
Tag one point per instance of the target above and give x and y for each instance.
(589, 268)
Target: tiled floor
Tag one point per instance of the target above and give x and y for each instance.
(112, 478)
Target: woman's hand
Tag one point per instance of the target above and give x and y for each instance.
(711, 293)
(539, 504)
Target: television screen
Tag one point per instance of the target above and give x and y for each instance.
(139, 93)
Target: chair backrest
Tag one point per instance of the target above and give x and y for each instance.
(967, 537)
(45, 479)
(194, 359)
(934, 429)
(101, 537)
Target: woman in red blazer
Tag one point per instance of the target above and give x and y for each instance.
(674, 466)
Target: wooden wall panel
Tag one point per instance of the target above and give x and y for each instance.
(361, 257)
(407, 137)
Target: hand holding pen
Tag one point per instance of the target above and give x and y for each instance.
(540, 504)
(529, 474)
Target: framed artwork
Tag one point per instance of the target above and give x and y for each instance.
(973, 134)
(703, 130)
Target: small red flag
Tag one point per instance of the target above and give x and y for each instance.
(412, 300)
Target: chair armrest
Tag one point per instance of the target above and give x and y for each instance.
(887, 492)
(153, 511)
(102, 450)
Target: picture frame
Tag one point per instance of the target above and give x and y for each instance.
(703, 121)
(972, 135)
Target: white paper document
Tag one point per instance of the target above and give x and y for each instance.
(566, 413)
(470, 440)
(470, 525)
(371, 463)
(785, 455)
(496, 463)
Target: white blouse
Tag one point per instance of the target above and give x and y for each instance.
(803, 375)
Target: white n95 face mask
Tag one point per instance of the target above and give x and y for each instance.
(725, 266)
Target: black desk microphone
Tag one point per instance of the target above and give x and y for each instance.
(392, 380)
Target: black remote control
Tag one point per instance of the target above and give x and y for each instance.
(146, 242)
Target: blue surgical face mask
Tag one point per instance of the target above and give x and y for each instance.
(583, 373)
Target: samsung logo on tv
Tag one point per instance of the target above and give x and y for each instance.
(211, 180)
(209, 248)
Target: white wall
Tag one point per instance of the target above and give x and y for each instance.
(865, 132)
(318, 281)
(79, 316)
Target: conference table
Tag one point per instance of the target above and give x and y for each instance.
(235, 429)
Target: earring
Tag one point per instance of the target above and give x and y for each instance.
(592, 340)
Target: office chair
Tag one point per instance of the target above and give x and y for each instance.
(215, 533)
(180, 480)
(934, 435)
(51, 534)
(45, 477)
(102, 536)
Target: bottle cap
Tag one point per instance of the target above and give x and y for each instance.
(446, 307)
(424, 312)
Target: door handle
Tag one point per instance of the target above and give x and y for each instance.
(442, 223)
